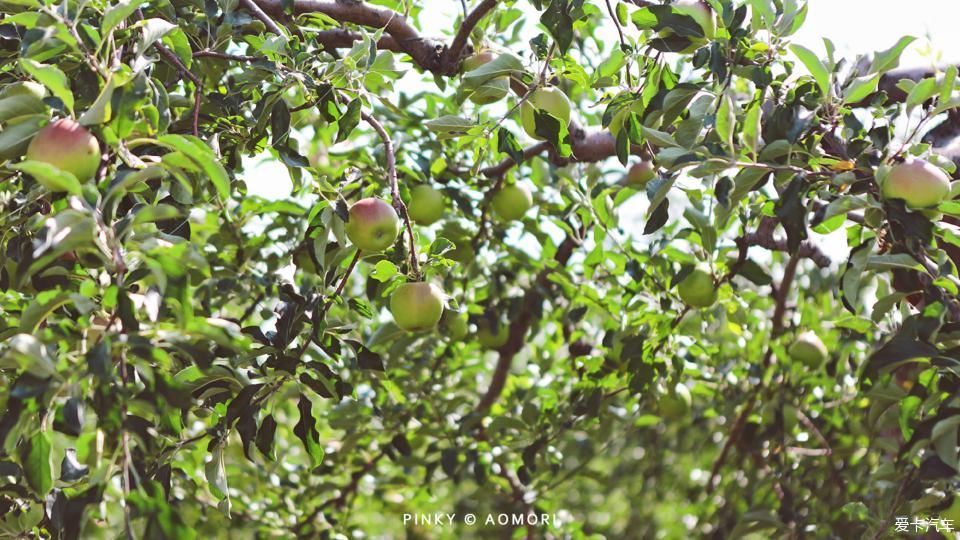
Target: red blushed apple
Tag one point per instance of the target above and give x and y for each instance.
(373, 225)
(67, 146)
(918, 183)
(550, 100)
(416, 306)
(640, 173)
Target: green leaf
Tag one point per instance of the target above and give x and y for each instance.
(36, 459)
(726, 122)
(816, 68)
(52, 78)
(860, 88)
(50, 177)
(450, 126)
(38, 310)
(503, 65)
(349, 121)
(117, 13)
(203, 156)
(884, 61)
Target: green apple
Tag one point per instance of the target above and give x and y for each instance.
(492, 90)
(809, 349)
(426, 205)
(373, 225)
(512, 202)
(455, 325)
(919, 183)
(490, 339)
(675, 404)
(697, 289)
(67, 146)
(550, 100)
(953, 511)
(640, 173)
(417, 306)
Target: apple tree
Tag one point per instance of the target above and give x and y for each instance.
(648, 269)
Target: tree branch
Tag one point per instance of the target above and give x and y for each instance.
(585, 147)
(450, 59)
(398, 205)
(252, 6)
(520, 326)
(341, 38)
(425, 52)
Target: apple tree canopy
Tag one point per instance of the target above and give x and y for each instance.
(190, 345)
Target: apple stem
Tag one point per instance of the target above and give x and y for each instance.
(398, 205)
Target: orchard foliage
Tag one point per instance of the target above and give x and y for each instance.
(181, 358)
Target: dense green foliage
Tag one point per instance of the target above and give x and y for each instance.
(180, 358)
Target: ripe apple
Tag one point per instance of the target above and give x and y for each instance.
(809, 349)
(417, 306)
(919, 183)
(697, 289)
(550, 100)
(492, 90)
(373, 225)
(675, 404)
(426, 204)
(640, 173)
(512, 202)
(490, 339)
(67, 146)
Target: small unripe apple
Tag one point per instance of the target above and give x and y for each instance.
(490, 339)
(416, 306)
(373, 225)
(512, 202)
(640, 173)
(455, 325)
(550, 100)
(492, 90)
(67, 146)
(919, 183)
(675, 404)
(809, 349)
(953, 511)
(697, 289)
(426, 205)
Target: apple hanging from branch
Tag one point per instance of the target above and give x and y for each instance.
(917, 182)
(417, 306)
(550, 100)
(698, 289)
(373, 225)
(511, 202)
(68, 146)
(426, 205)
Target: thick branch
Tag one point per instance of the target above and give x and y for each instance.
(450, 60)
(586, 147)
(425, 52)
(341, 38)
(520, 326)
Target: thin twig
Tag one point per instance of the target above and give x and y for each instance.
(623, 42)
(398, 205)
